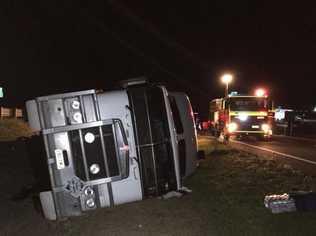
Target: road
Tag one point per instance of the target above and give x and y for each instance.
(302, 148)
(300, 152)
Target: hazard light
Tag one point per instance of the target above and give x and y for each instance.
(260, 92)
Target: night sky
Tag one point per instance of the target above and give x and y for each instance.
(50, 47)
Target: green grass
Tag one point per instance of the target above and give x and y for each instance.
(12, 129)
(230, 187)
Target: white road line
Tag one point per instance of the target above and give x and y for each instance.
(275, 152)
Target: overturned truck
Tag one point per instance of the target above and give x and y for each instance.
(109, 148)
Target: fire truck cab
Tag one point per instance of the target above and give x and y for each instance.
(241, 115)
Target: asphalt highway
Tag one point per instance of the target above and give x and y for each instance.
(295, 148)
(298, 152)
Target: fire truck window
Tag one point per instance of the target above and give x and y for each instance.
(247, 104)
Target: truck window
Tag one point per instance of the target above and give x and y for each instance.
(248, 104)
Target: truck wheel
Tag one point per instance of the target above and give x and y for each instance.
(48, 207)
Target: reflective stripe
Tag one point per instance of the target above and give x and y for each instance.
(241, 131)
(249, 113)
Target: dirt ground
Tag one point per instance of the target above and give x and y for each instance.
(227, 199)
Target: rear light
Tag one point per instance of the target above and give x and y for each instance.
(271, 113)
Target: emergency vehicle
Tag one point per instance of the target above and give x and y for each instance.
(241, 115)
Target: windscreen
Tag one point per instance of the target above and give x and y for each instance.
(248, 104)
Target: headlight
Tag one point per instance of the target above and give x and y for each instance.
(89, 137)
(94, 169)
(265, 128)
(232, 127)
(243, 117)
(88, 191)
(75, 105)
(77, 117)
(90, 203)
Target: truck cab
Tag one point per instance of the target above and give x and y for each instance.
(106, 149)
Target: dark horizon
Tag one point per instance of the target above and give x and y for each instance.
(49, 48)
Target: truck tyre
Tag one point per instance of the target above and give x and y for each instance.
(48, 207)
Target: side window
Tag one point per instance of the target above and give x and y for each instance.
(176, 115)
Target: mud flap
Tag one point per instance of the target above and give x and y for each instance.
(48, 206)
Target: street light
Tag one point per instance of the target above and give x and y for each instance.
(227, 79)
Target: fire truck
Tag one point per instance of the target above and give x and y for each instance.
(241, 115)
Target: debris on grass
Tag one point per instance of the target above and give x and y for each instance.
(280, 203)
(295, 201)
(172, 194)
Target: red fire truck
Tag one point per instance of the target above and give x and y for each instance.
(241, 115)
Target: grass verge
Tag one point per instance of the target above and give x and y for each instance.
(230, 187)
(12, 129)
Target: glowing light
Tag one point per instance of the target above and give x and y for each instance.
(260, 92)
(227, 78)
(232, 127)
(243, 117)
(266, 128)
